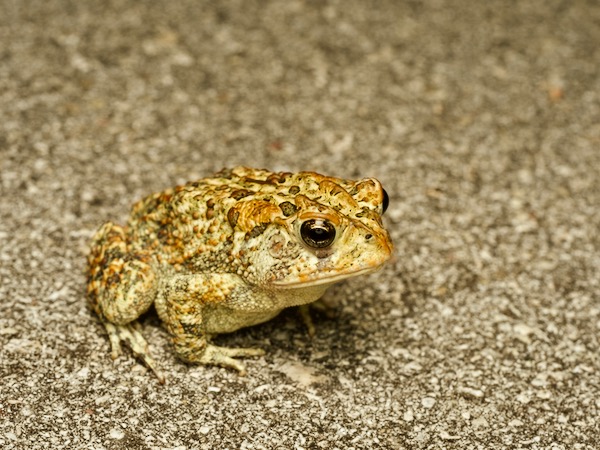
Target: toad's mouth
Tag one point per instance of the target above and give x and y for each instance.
(319, 278)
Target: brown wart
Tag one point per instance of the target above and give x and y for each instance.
(288, 208)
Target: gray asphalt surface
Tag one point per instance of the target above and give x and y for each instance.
(482, 119)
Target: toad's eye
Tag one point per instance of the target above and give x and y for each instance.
(386, 201)
(317, 233)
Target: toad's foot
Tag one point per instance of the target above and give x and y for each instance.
(130, 334)
(224, 357)
(305, 313)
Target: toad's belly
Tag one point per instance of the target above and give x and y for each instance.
(225, 320)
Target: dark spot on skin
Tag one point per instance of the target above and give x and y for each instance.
(240, 194)
(256, 231)
(278, 177)
(288, 208)
(232, 217)
(293, 190)
(114, 279)
(224, 173)
(210, 209)
(255, 181)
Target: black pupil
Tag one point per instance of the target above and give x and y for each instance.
(386, 202)
(317, 233)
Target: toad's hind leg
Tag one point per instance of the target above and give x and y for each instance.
(121, 286)
(132, 336)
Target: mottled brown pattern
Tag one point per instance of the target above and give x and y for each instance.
(228, 251)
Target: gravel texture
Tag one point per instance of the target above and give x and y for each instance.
(482, 119)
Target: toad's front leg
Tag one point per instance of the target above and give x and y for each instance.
(182, 304)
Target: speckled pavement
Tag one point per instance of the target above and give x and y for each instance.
(482, 119)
